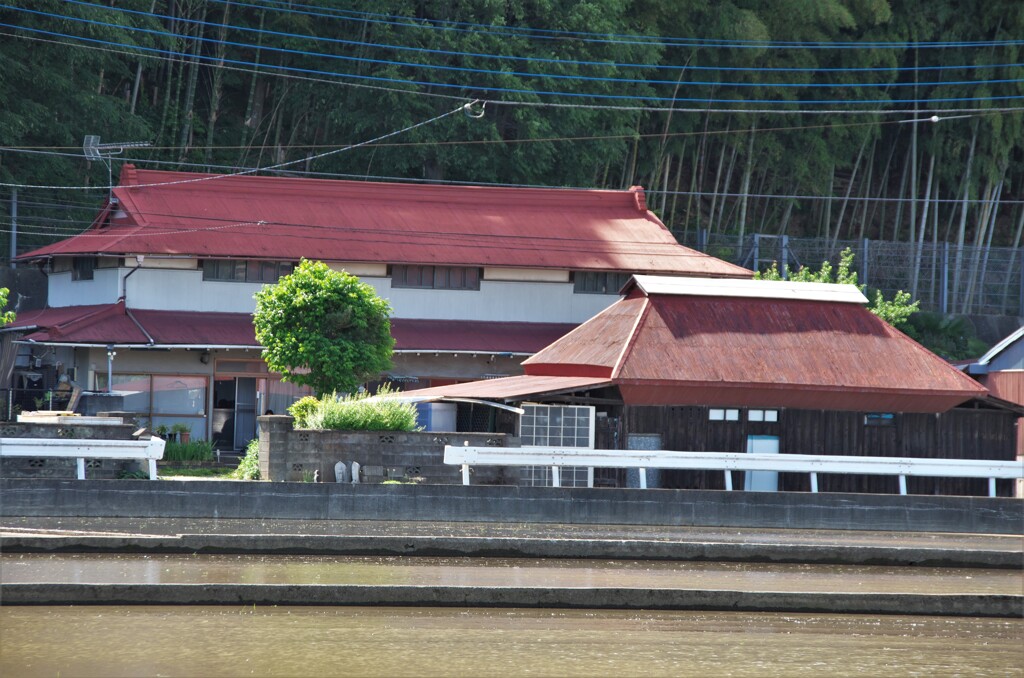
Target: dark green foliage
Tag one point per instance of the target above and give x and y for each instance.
(194, 450)
(249, 465)
(951, 337)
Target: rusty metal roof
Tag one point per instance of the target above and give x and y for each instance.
(177, 213)
(683, 349)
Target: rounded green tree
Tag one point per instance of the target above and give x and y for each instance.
(323, 329)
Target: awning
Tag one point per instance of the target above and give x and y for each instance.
(512, 388)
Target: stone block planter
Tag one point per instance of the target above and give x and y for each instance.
(288, 454)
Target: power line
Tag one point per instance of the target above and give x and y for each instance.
(479, 88)
(706, 110)
(605, 38)
(528, 59)
(270, 167)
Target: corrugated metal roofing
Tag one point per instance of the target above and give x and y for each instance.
(757, 352)
(288, 218)
(513, 388)
(478, 336)
(111, 324)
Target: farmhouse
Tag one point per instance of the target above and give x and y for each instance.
(755, 366)
(158, 292)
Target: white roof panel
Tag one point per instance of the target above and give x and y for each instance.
(751, 289)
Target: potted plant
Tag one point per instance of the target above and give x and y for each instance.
(161, 431)
(183, 431)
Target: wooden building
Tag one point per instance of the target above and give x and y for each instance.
(758, 366)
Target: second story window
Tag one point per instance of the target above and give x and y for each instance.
(241, 270)
(435, 277)
(83, 268)
(598, 282)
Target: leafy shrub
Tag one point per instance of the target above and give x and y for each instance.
(194, 450)
(302, 409)
(249, 465)
(360, 412)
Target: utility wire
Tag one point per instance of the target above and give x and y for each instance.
(270, 167)
(563, 62)
(708, 110)
(604, 38)
(479, 88)
(484, 71)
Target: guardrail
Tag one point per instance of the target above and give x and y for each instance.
(727, 462)
(151, 450)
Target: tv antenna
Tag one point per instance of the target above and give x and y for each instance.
(94, 150)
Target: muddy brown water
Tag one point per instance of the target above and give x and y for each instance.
(330, 641)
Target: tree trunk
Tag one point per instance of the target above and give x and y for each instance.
(725, 189)
(849, 189)
(185, 139)
(962, 231)
(747, 171)
(1007, 308)
(217, 85)
(919, 245)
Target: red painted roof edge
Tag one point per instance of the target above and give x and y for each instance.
(133, 178)
(968, 393)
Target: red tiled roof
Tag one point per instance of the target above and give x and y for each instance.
(111, 324)
(288, 218)
(726, 351)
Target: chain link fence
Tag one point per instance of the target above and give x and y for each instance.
(942, 276)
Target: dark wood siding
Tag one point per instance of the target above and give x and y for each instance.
(961, 433)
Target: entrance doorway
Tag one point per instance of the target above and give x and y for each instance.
(762, 481)
(235, 404)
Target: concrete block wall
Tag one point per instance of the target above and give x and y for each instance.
(287, 454)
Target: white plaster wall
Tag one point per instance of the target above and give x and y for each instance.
(171, 290)
(104, 288)
(494, 301)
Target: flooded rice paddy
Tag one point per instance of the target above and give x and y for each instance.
(518, 572)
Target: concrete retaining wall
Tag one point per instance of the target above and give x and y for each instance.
(992, 605)
(460, 503)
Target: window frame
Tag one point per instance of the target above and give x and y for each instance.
(81, 272)
(599, 282)
(430, 277)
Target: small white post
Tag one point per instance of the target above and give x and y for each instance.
(556, 478)
(81, 468)
(643, 479)
(903, 484)
(991, 487)
(728, 481)
(814, 481)
(152, 469)
(465, 474)
(590, 476)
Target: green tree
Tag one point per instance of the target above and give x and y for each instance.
(895, 311)
(6, 317)
(323, 329)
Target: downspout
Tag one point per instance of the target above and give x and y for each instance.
(139, 258)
